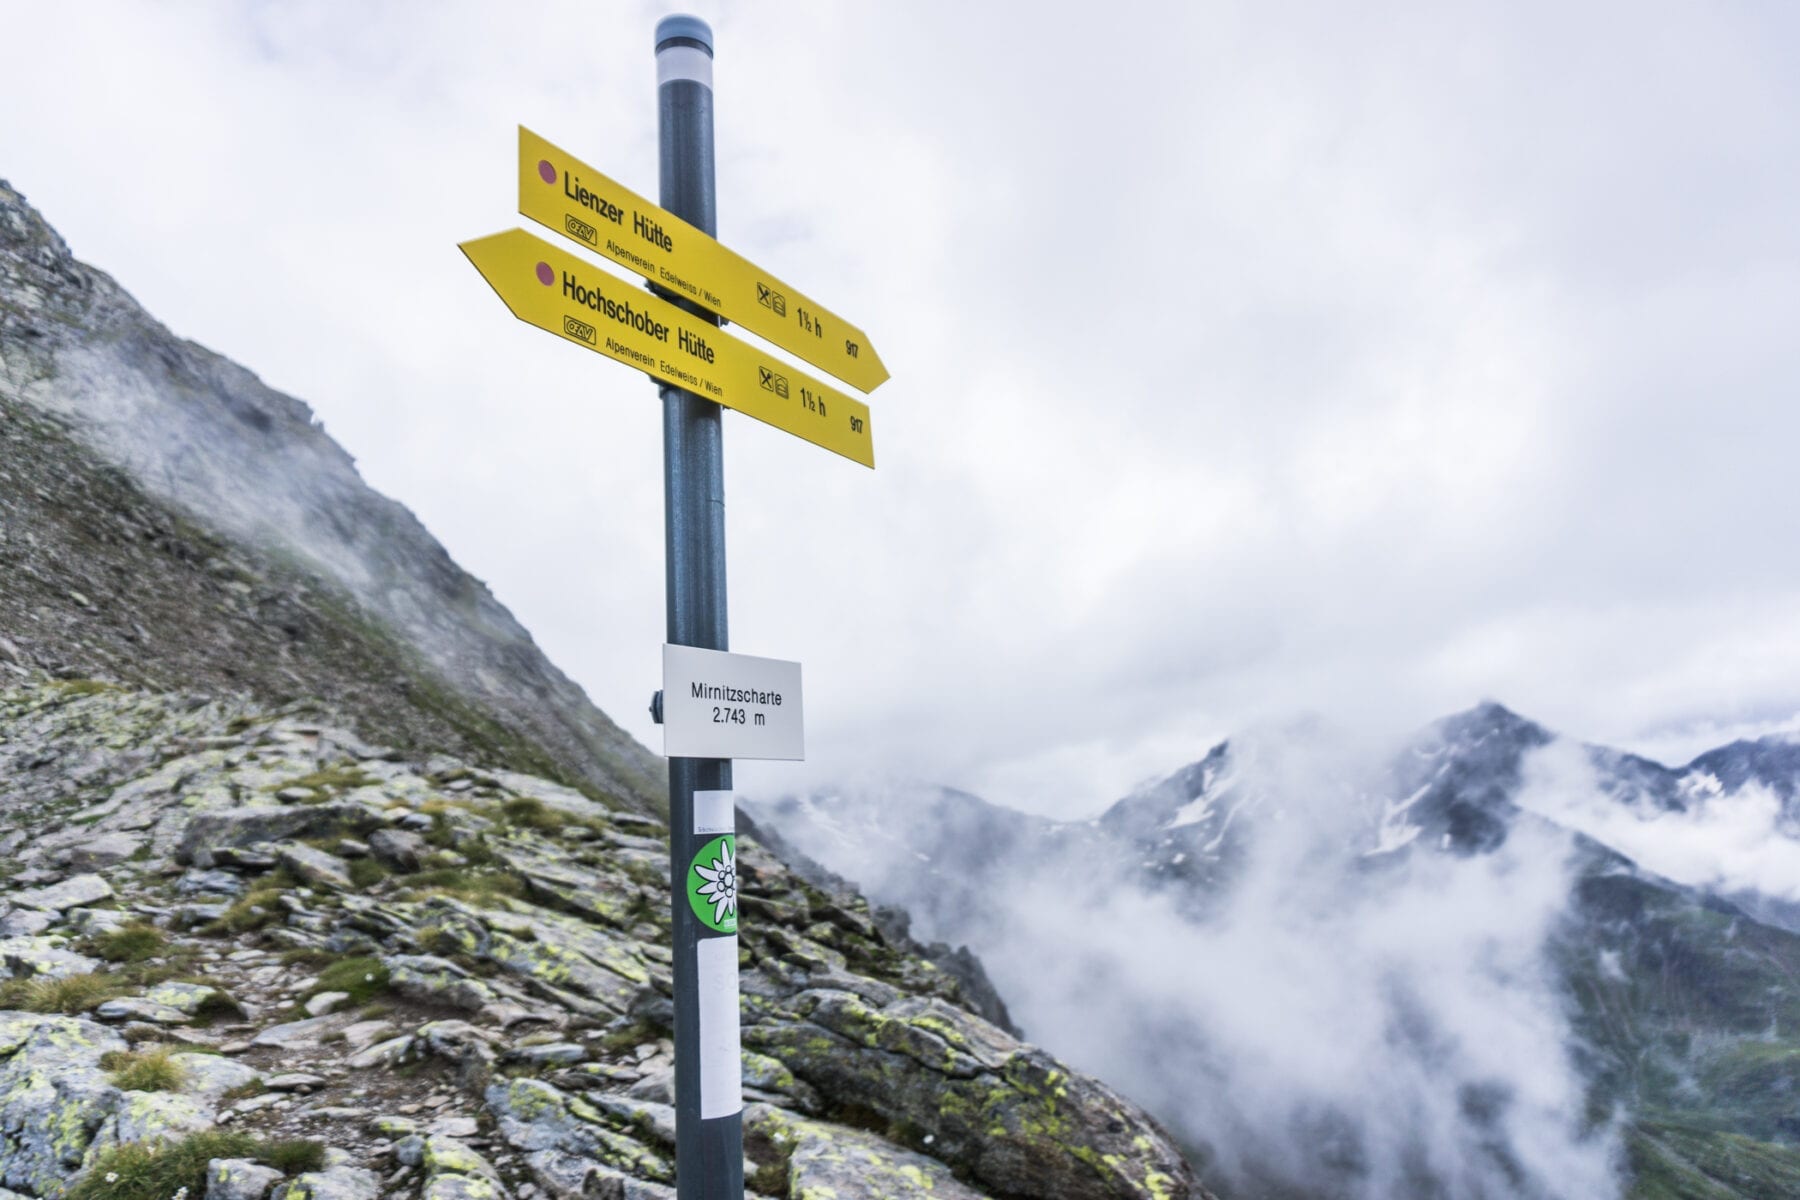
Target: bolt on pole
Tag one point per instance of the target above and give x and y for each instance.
(709, 1133)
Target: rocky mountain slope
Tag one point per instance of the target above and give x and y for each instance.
(250, 953)
(318, 882)
(167, 519)
(1677, 1006)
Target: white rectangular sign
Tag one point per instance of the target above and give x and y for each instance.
(720, 705)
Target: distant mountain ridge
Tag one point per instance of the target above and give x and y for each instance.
(262, 560)
(1681, 1001)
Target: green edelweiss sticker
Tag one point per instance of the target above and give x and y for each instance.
(713, 884)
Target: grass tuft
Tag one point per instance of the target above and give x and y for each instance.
(70, 994)
(144, 1071)
(158, 1170)
(465, 883)
(528, 812)
(293, 1156)
(329, 781)
(260, 907)
(85, 687)
(130, 943)
(363, 977)
(366, 872)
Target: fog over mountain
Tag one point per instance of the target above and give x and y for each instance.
(1489, 962)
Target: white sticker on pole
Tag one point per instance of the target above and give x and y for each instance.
(721, 1060)
(720, 705)
(715, 813)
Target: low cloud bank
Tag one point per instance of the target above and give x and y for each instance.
(1365, 1028)
(1724, 841)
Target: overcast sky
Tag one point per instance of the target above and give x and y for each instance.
(1248, 358)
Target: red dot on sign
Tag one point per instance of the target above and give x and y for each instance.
(546, 172)
(545, 275)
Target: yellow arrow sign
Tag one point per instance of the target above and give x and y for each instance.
(560, 191)
(576, 300)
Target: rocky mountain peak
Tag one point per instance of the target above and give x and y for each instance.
(165, 518)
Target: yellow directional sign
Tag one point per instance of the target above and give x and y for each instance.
(560, 191)
(576, 300)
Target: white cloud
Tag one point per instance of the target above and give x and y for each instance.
(1246, 357)
(1725, 842)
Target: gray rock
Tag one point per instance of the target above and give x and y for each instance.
(653, 1118)
(36, 877)
(338, 1183)
(559, 1054)
(469, 1047)
(189, 998)
(351, 848)
(210, 1076)
(95, 920)
(434, 980)
(462, 1187)
(817, 1159)
(447, 1155)
(81, 889)
(382, 1054)
(53, 1097)
(192, 916)
(102, 850)
(394, 1126)
(208, 832)
(399, 848)
(573, 1177)
(658, 1086)
(294, 1033)
(239, 1179)
(315, 866)
(150, 1116)
(536, 1117)
(326, 1002)
(366, 1033)
(454, 1127)
(254, 857)
(136, 1008)
(209, 883)
(294, 1081)
(43, 957)
(1020, 1122)
(25, 922)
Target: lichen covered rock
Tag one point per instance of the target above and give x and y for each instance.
(54, 1097)
(523, 980)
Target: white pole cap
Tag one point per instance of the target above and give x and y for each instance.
(684, 50)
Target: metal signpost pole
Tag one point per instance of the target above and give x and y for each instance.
(709, 1159)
